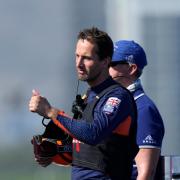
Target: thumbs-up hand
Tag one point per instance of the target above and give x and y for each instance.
(35, 92)
(39, 104)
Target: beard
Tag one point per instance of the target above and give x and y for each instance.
(89, 76)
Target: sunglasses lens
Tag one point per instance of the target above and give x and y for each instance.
(116, 63)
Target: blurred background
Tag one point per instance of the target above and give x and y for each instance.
(37, 44)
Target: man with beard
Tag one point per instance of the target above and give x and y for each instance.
(104, 136)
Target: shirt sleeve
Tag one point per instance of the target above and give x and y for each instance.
(150, 130)
(110, 111)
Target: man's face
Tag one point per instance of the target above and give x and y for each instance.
(120, 73)
(88, 65)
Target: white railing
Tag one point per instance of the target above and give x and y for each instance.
(168, 168)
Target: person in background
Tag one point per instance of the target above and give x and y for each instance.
(104, 143)
(128, 62)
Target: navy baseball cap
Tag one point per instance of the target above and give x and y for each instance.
(129, 51)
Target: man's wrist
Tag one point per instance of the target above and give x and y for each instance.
(52, 113)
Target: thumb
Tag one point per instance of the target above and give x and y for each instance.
(35, 92)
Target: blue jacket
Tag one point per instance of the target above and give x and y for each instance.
(114, 113)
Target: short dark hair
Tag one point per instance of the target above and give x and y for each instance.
(101, 39)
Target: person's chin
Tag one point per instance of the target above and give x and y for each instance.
(82, 78)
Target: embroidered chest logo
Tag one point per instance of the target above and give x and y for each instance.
(149, 140)
(111, 105)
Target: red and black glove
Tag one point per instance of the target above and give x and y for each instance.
(44, 151)
(53, 146)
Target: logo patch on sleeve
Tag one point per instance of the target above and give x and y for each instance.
(111, 105)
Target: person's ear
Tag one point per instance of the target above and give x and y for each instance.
(132, 69)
